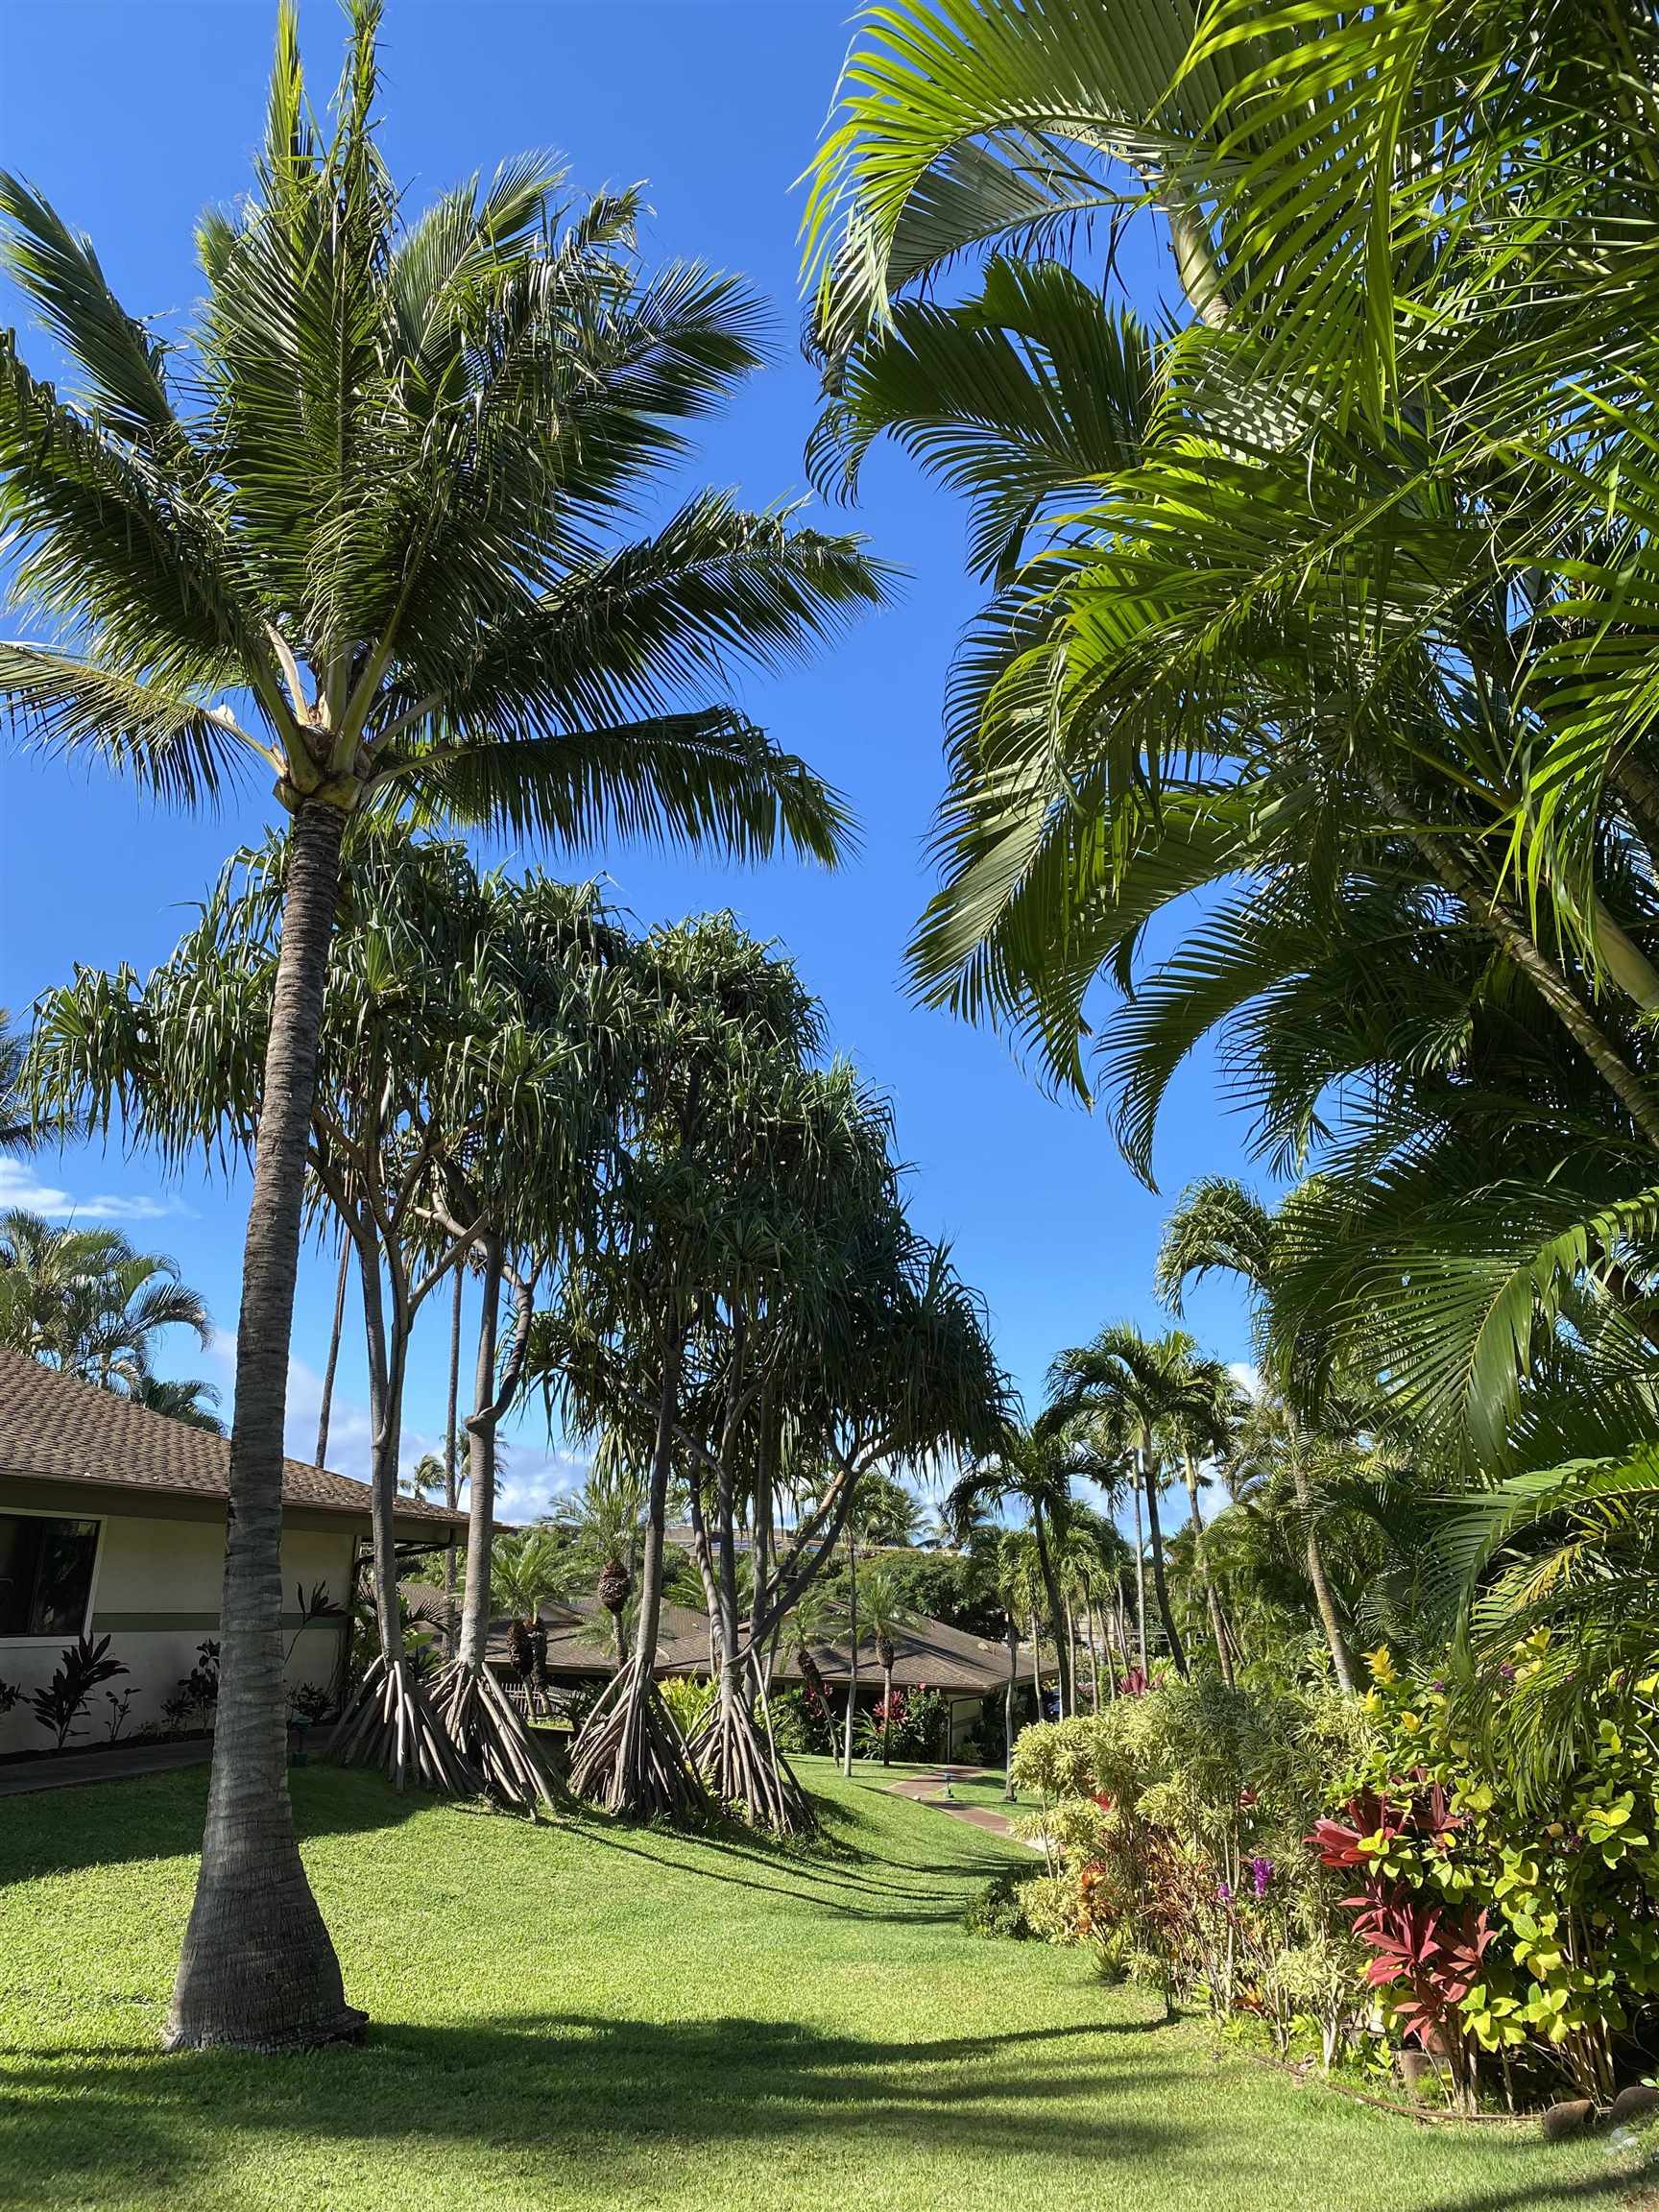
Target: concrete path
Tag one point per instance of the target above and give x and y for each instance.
(928, 1790)
(65, 1769)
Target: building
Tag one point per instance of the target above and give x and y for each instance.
(927, 1654)
(112, 1524)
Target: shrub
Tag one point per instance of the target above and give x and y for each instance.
(802, 1721)
(1172, 1824)
(1531, 1938)
(81, 1668)
(192, 1704)
(1000, 1906)
(688, 1698)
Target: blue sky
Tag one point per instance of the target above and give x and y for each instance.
(131, 119)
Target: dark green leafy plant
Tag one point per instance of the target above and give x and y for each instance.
(83, 1666)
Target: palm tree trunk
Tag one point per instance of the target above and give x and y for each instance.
(1094, 1651)
(1160, 1584)
(481, 1472)
(451, 1483)
(326, 1410)
(258, 1970)
(1060, 1624)
(887, 1724)
(851, 1652)
(1141, 1585)
(1008, 1707)
(1323, 1597)
(1212, 1604)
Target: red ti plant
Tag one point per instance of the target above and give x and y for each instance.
(1344, 1842)
(1427, 1962)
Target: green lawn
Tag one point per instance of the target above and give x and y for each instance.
(582, 2015)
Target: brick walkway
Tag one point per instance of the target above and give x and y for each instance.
(927, 1789)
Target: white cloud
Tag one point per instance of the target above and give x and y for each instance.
(1247, 1375)
(21, 1187)
(528, 1482)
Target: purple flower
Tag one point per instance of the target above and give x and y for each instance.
(1223, 1893)
(1260, 1875)
(1507, 1671)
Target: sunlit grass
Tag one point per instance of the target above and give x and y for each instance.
(582, 2015)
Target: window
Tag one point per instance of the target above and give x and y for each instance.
(45, 1574)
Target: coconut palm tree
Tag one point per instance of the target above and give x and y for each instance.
(357, 531)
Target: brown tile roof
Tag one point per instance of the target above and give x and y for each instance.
(580, 1642)
(56, 1429)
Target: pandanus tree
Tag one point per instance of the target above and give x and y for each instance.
(601, 1523)
(357, 531)
(520, 1191)
(440, 1030)
(624, 1347)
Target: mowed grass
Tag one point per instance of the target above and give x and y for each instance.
(585, 2015)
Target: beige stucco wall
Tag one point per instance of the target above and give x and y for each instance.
(155, 1595)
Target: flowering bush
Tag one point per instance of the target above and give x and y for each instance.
(917, 1721)
(1173, 1823)
(801, 1721)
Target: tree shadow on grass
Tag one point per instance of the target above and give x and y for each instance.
(162, 1815)
(95, 2126)
(869, 1894)
(561, 2095)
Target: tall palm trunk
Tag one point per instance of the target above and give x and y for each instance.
(851, 1652)
(258, 1970)
(1094, 1650)
(326, 1410)
(1323, 1597)
(1012, 1684)
(481, 1472)
(1037, 1664)
(887, 1704)
(1141, 1582)
(1059, 1623)
(1160, 1581)
(452, 1481)
(1212, 1603)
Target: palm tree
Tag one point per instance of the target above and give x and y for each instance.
(186, 1399)
(366, 555)
(17, 1130)
(1016, 1560)
(887, 1614)
(1219, 1227)
(84, 1300)
(1150, 1391)
(602, 1524)
(1033, 1465)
